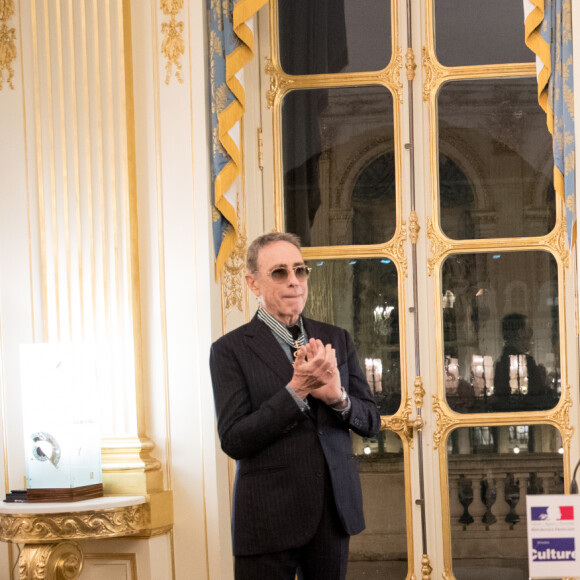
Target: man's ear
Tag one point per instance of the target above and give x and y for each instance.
(253, 284)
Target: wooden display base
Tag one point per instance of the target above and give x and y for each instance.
(64, 493)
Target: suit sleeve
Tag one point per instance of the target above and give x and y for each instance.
(243, 429)
(364, 418)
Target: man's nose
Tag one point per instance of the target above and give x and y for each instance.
(292, 278)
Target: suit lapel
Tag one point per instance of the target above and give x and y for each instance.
(262, 342)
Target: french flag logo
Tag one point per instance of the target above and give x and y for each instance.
(543, 513)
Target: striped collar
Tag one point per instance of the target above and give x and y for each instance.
(281, 330)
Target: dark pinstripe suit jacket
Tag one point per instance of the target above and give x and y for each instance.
(282, 453)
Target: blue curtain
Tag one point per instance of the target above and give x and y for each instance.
(230, 47)
(549, 35)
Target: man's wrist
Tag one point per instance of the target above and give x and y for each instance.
(341, 402)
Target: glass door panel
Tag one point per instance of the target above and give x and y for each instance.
(329, 37)
(469, 32)
(380, 551)
(490, 471)
(495, 160)
(362, 295)
(339, 165)
(500, 332)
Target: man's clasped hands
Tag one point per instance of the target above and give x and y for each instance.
(316, 372)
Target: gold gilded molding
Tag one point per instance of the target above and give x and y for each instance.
(173, 45)
(419, 392)
(438, 246)
(414, 227)
(278, 83)
(434, 72)
(392, 74)
(426, 568)
(562, 418)
(410, 64)
(62, 561)
(7, 43)
(443, 422)
(46, 528)
(401, 423)
(233, 279)
(397, 248)
(557, 242)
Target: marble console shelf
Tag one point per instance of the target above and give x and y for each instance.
(49, 531)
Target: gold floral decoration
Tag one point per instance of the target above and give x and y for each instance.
(562, 418)
(392, 75)
(173, 46)
(434, 72)
(557, 241)
(438, 246)
(233, 281)
(419, 392)
(426, 568)
(414, 227)
(45, 561)
(7, 43)
(126, 521)
(443, 422)
(278, 83)
(397, 248)
(410, 64)
(400, 423)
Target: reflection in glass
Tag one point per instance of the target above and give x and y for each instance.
(333, 36)
(491, 469)
(339, 166)
(500, 331)
(380, 551)
(495, 160)
(361, 295)
(471, 32)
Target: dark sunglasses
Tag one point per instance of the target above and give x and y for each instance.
(281, 274)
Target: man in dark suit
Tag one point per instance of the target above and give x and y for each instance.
(287, 391)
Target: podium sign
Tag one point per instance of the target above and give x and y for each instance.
(553, 535)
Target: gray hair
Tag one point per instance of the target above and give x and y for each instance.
(265, 240)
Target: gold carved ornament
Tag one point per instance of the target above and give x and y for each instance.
(438, 246)
(419, 392)
(278, 82)
(7, 42)
(434, 73)
(110, 523)
(444, 422)
(173, 45)
(557, 241)
(414, 227)
(400, 423)
(426, 568)
(561, 417)
(233, 275)
(410, 64)
(396, 248)
(63, 561)
(392, 74)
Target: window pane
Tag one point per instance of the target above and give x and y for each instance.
(500, 329)
(338, 164)
(472, 32)
(491, 470)
(495, 160)
(334, 36)
(362, 296)
(380, 551)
